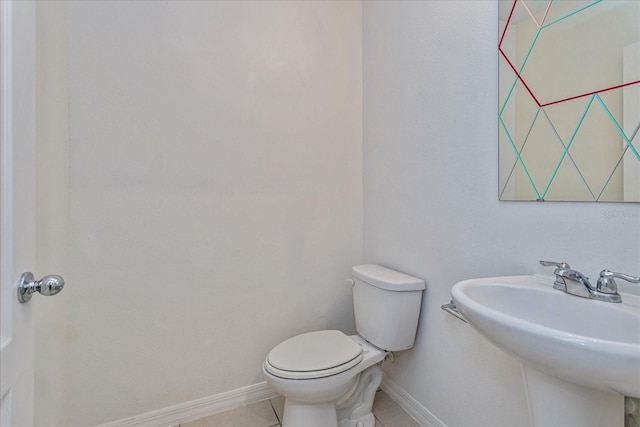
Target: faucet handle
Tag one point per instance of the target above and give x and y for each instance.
(554, 264)
(607, 285)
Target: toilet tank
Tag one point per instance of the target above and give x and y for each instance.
(386, 305)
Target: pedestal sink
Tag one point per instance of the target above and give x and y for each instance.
(580, 357)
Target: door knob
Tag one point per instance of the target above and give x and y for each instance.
(48, 285)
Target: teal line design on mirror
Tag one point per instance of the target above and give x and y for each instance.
(620, 157)
(519, 154)
(566, 149)
(571, 14)
(627, 140)
(617, 126)
(519, 159)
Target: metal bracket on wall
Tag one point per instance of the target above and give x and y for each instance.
(453, 310)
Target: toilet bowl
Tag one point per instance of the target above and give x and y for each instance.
(330, 379)
(318, 394)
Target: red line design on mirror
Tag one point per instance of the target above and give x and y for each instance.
(587, 94)
(519, 77)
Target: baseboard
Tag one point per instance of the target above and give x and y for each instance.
(418, 412)
(199, 408)
(211, 405)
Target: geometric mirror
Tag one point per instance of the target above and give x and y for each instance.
(569, 100)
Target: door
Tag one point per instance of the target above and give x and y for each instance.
(17, 208)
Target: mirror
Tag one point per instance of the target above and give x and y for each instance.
(569, 100)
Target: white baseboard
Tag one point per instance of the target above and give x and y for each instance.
(199, 408)
(422, 415)
(189, 411)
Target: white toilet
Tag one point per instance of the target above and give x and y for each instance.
(330, 379)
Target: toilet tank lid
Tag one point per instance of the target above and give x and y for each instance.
(385, 278)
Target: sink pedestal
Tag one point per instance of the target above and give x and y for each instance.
(555, 402)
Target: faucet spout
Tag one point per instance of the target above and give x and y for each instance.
(573, 282)
(570, 281)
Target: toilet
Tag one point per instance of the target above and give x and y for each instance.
(330, 379)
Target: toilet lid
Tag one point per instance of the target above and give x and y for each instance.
(314, 355)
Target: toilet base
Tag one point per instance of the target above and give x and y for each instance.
(366, 421)
(297, 414)
(354, 409)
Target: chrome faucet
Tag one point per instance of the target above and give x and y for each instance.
(607, 286)
(570, 281)
(575, 283)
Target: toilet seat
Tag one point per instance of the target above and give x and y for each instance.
(314, 355)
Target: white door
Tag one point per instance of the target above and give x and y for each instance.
(17, 208)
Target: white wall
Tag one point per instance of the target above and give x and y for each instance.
(430, 199)
(210, 194)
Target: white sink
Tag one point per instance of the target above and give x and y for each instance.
(583, 342)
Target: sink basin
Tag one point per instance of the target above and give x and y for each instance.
(585, 342)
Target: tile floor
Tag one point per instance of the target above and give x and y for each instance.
(268, 413)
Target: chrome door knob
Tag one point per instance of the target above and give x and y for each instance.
(48, 285)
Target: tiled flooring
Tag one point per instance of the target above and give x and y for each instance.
(268, 413)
